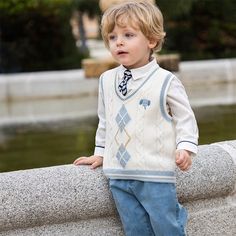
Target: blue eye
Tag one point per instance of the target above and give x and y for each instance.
(111, 37)
(129, 35)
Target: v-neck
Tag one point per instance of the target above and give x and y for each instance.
(123, 98)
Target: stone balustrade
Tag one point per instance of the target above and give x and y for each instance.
(70, 200)
(94, 67)
(74, 83)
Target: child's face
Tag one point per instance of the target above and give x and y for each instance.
(130, 47)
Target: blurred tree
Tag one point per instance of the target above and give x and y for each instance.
(214, 28)
(36, 35)
(174, 8)
(200, 29)
(90, 7)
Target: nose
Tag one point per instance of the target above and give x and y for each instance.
(119, 41)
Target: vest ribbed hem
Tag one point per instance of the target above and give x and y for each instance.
(141, 175)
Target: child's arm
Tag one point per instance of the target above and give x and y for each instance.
(185, 124)
(183, 159)
(101, 130)
(94, 161)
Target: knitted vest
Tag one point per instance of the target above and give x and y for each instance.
(140, 134)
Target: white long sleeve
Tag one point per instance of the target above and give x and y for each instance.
(177, 101)
(183, 117)
(101, 130)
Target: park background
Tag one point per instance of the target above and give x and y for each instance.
(42, 35)
(48, 105)
(48, 116)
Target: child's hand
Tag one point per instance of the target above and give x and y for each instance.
(94, 161)
(183, 159)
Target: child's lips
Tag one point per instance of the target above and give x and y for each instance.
(121, 53)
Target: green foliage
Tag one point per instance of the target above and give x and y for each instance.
(36, 35)
(18, 6)
(200, 29)
(174, 8)
(91, 7)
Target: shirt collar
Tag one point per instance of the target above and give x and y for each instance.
(140, 72)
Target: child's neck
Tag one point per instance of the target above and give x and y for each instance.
(130, 68)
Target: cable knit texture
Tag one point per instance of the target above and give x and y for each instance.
(140, 143)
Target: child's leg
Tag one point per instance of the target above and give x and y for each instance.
(167, 216)
(134, 218)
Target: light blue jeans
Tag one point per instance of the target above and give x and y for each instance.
(148, 208)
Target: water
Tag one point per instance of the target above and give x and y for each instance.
(57, 143)
(216, 123)
(32, 146)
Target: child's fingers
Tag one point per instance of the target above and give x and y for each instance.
(94, 161)
(76, 161)
(183, 160)
(96, 164)
(179, 158)
(185, 167)
(82, 161)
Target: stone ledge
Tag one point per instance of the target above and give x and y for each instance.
(72, 83)
(208, 71)
(107, 226)
(59, 200)
(94, 67)
(46, 85)
(169, 61)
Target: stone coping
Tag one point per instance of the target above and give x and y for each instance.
(67, 198)
(73, 83)
(94, 67)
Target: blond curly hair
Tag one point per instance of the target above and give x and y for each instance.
(141, 15)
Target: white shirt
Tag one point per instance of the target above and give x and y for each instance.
(177, 104)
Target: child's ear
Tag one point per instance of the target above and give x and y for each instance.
(152, 43)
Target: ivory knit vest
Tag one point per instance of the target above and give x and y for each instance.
(140, 134)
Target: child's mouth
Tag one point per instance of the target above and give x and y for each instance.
(121, 53)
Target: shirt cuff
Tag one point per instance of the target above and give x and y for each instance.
(99, 151)
(187, 145)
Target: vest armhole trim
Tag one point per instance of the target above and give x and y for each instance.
(163, 96)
